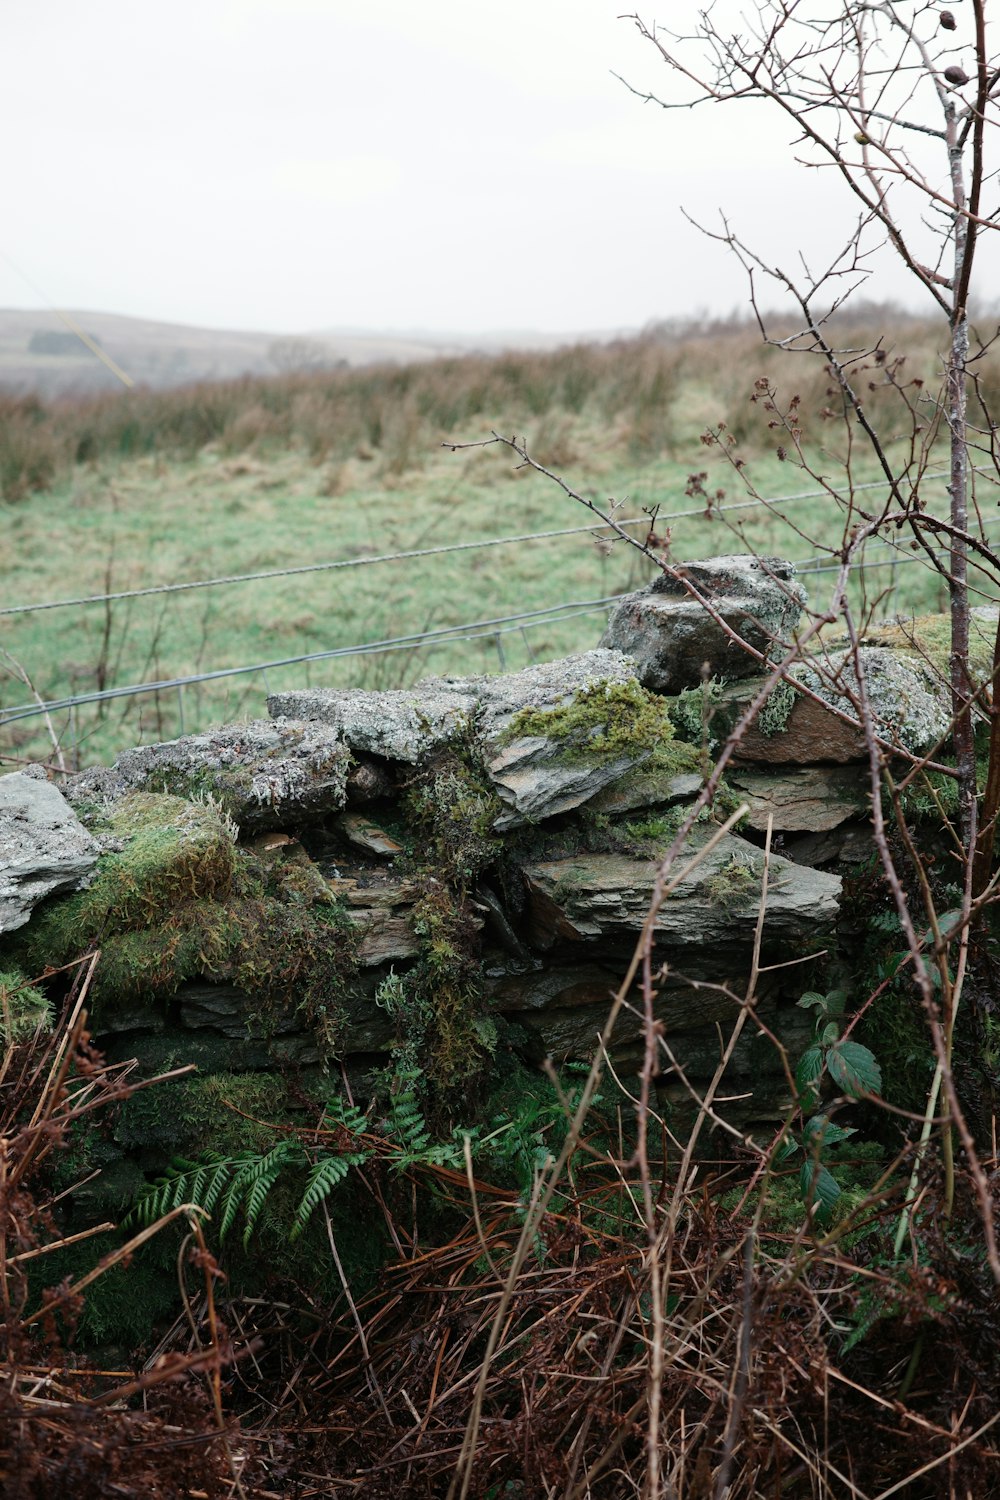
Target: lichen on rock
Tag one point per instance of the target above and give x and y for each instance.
(179, 900)
(263, 773)
(910, 702)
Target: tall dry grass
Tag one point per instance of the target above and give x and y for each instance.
(632, 388)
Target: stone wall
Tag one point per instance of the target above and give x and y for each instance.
(454, 876)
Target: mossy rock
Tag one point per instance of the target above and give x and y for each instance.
(24, 1009)
(929, 636)
(552, 760)
(181, 901)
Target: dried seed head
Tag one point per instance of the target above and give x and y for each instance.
(948, 22)
(956, 76)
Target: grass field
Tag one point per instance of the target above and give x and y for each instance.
(157, 488)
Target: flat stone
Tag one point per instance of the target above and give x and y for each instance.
(676, 642)
(603, 896)
(537, 781)
(385, 937)
(801, 799)
(264, 773)
(586, 991)
(810, 734)
(910, 701)
(848, 844)
(44, 848)
(384, 893)
(642, 788)
(364, 834)
(408, 724)
(402, 724)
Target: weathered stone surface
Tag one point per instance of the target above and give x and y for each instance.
(571, 1033)
(402, 724)
(44, 847)
(802, 799)
(585, 991)
(364, 834)
(408, 724)
(536, 780)
(386, 937)
(910, 705)
(803, 733)
(264, 773)
(674, 639)
(910, 701)
(386, 894)
(602, 896)
(848, 844)
(642, 788)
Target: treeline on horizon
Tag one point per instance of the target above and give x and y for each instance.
(632, 388)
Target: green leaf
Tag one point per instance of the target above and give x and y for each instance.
(853, 1068)
(325, 1175)
(830, 1033)
(808, 1072)
(812, 999)
(788, 1148)
(821, 1132)
(836, 1002)
(817, 1184)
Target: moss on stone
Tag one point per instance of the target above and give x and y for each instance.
(774, 716)
(608, 720)
(734, 884)
(450, 811)
(443, 1035)
(23, 1008)
(929, 636)
(181, 901)
(691, 713)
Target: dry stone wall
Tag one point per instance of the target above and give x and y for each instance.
(458, 872)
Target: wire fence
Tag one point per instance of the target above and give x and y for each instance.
(495, 628)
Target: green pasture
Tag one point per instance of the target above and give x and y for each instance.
(124, 523)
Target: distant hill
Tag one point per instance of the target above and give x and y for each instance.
(39, 354)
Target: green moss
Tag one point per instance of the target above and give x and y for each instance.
(451, 811)
(608, 720)
(774, 716)
(735, 883)
(443, 1034)
(176, 854)
(222, 1112)
(691, 713)
(929, 636)
(180, 901)
(228, 786)
(23, 1008)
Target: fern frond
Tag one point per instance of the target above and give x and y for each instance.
(262, 1177)
(339, 1112)
(326, 1174)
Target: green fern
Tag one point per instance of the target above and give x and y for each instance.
(327, 1173)
(339, 1112)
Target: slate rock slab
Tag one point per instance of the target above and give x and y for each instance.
(596, 897)
(802, 799)
(406, 724)
(265, 773)
(44, 848)
(675, 639)
(533, 775)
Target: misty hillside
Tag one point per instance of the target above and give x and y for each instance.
(40, 353)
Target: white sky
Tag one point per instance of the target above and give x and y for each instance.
(386, 164)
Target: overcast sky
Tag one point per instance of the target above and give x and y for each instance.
(295, 165)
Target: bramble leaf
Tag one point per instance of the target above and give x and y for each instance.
(822, 1132)
(817, 1184)
(808, 1071)
(854, 1069)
